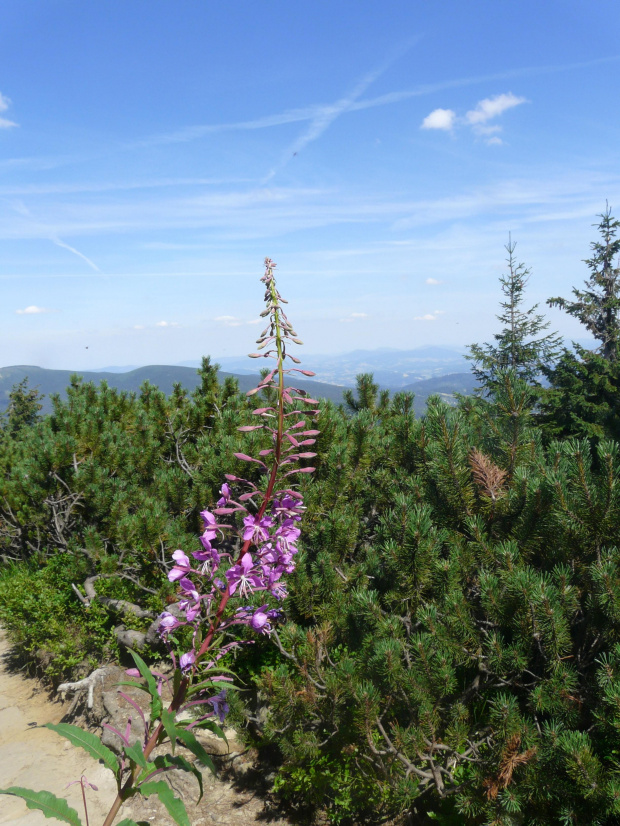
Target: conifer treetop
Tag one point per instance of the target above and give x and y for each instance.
(597, 306)
(519, 345)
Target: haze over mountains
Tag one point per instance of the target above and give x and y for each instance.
(424, 371)
(391, 368)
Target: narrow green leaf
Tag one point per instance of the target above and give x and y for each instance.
(165, 761)
(211, 726)
(89, 742)
(168, 720)
(156, 704)
(135, 753)
(46, 802)
(176, 681)
(189, 741)
(175, 806)
(129, 822)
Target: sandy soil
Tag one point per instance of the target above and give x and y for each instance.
(37, 758)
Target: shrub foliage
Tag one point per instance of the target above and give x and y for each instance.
(453, 643)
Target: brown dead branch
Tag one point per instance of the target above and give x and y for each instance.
(511, 758)
(488, 477)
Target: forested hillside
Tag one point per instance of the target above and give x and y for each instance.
(452, 643)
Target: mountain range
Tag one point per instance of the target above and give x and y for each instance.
(391, 368)
(425, 371)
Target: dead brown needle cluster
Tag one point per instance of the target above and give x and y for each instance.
(489, 478)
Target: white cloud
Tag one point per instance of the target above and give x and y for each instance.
(427, 317)
(433, 281)
(229, 320)
(5, 102)
(354, 317)
(477, 118)
(439, 119)
(138, 326)
(33, 310)
(167, 324)
(492, 107)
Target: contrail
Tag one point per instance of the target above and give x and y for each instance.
(326, 115)
(318, 114)
(81, 255)
(21, 208)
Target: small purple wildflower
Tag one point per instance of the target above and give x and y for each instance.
(181, 567)
(187, 660)
(220, 706)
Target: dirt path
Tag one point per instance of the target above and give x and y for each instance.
(37, 758)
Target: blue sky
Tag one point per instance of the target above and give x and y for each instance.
(153, 153)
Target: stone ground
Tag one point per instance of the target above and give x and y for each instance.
(37, 758)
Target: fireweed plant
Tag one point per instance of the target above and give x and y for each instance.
(248, 545)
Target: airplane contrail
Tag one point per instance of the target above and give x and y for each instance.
(55, 240)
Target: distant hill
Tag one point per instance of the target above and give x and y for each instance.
(391, 368)
(165, 377)
(444, 386)
(162, 376)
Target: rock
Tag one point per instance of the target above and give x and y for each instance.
(118, 711)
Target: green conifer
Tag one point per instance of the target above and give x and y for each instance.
(518, 346)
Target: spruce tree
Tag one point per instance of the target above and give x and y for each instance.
(519, 345)
(583, 399)
(597, 306)
(23, 408)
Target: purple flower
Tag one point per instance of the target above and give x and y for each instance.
(182, 566)
(188, 588)
(210, 525)
(240, 577)
(187, 660)
(209, 557)
(261, 619)
(220, 706)
(287, 535)
(257, 529)
(168, 622)
(225, 491)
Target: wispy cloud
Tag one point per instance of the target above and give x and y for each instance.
(167, 324)
(233, 321)
(33, 310)
(37, 229)
(427, 317)
(118, 186)
(55, 240)
(269, 212)
(433, 281)
(352, 317)
(229, 320)
(5, 102)
(192, 133)
(492, 107)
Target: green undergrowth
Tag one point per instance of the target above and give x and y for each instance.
(49, 625)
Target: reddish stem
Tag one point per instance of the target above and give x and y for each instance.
(179, 696)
